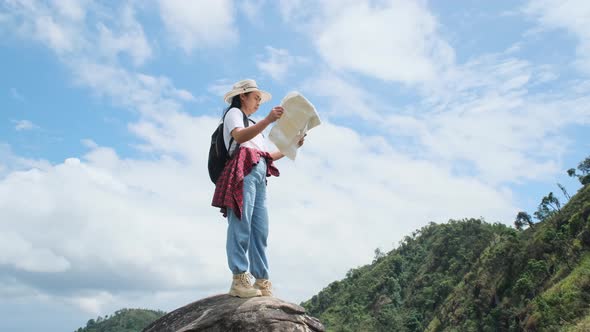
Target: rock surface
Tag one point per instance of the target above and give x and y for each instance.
(228, 313)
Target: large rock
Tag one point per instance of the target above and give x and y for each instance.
(228, 313)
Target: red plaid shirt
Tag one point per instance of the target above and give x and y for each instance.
(229, 189)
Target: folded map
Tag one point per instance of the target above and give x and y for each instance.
(299, 117)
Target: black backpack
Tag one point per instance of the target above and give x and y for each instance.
(218, 154)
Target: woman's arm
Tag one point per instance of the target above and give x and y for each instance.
(242, 135)
(276, 155)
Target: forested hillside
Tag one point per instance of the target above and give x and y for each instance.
(124, 320)
(469, 275)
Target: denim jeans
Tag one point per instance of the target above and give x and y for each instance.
(246, 238)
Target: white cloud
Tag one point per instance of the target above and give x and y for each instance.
(93, 55)
(580, 86)
(545, 74)
(395, 40)
(93, 304)
(131, 39)
(24, 125)
(527, 146)
(472, 116)
(572, 16)
(71, 9)
(345, 97)
(278, 62)
(184, 95)
(110, 205)
(89, 143)
(65, 28)
(151, 96)
(55, 24)
(201, 23)
(122, 202)
(395, 43)
(57, 37)
(12, 162)
(21, 254)
(483, 111)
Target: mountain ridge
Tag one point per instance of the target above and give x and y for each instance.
(469, 275)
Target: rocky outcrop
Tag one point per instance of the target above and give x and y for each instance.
(228, 313)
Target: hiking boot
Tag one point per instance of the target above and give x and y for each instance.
(264, 285)
(241, 286)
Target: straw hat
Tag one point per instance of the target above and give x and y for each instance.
(245, 86)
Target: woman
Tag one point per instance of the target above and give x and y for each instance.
(240, 191)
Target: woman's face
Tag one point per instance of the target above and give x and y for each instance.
(250, 102)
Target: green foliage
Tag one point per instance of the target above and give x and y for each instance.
(549, 206)
(565, 301)
(469, 275)
(584, 168)
(582, 326)
(523, 219)
(124, 320)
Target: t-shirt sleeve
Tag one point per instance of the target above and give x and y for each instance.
(234, 119)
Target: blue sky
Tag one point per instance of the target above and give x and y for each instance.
(430, 111)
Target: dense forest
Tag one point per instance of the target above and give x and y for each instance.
(124, 320)
(469, 275)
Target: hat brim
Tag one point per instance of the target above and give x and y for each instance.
(264, 96)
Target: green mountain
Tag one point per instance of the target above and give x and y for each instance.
(124, 320)
(469, 275)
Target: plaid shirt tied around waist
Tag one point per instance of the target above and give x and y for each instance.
(229, 189)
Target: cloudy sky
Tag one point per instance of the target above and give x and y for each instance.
(430, 111)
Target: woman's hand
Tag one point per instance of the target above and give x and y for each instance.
(301, 141)
(275, 114)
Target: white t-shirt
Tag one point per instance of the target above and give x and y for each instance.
(235, 119)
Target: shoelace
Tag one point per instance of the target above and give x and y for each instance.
(245, 279)
(264, 284)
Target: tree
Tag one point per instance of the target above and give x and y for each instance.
(549, 205)
(523, 219)
(378, 255)
(564, 192)
(124, 320)
(584, 168)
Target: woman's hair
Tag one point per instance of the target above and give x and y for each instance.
(235, 102)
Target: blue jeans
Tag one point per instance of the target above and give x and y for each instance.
(248, 236)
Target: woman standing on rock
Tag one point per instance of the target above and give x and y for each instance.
(240, 191)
